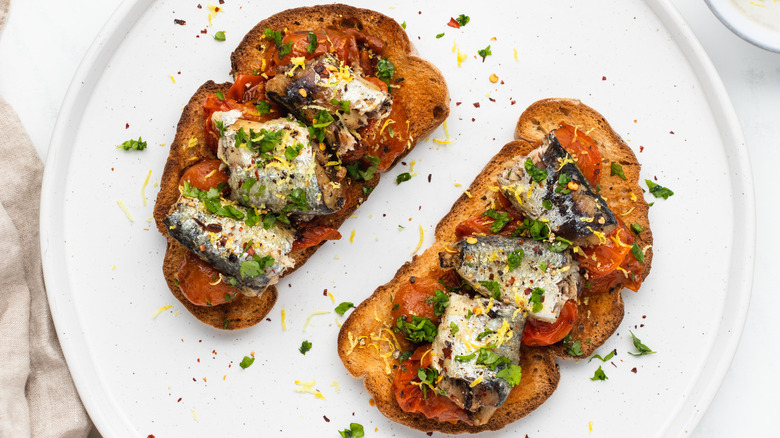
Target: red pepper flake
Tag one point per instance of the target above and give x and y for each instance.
(502, 82)
(198, 360)
(150, 436)
(473, 119)
(268, 319)
(512, 102)
(199, 6)
(641, 148)
(217, 9)
(178, 73)
(327, 420)
(491, 99)
(177, 401)
(193, 379)
(655, 177)
(197, 36)
(603, 78)
(179, 22)
(222, 2)
(453, 23)
(671, 132)
(325, 293)
(127, 125)
(458, 103)
(476, 104)
(644, 316)
(429, 433)
(429, 177)
(633, 370)
(204, 31)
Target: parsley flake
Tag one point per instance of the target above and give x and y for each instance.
(535, 173)
(137, 145)
(514, 259)
(220, 95)
(406, 176)
(636, 228)
(385, 70)
(219, 36)
(605, 358)
(484, 53)
(463, 20)
(246, 362)
(355, 431)
(454, 328)
(312, 38)
(616, 169)
(511, 374)
(343, 307)
(637, 252)
(643, 349)
(658, 191)
(499, 220)
(439, 35)
(440, 301)
(493, 287)
(305, 346)
(599, 375)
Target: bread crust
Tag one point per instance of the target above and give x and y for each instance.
(425, 97)
(598, 316)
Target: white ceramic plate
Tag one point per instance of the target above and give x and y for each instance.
(755, 21)
(635, 62)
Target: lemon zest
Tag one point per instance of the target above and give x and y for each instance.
(172, 78)
(143, 187)
(124, 209)
(331, 297)
(161, 310)
(319, 312)
(419, 244)
(352, 236)
(284, 317)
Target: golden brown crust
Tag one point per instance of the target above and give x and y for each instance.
(423, 90)
(598, 317)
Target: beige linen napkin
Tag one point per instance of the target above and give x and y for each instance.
(37, 396)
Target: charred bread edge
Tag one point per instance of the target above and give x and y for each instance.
(430, 105)
(597, 319)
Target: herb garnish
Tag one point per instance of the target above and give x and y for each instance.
(643, 349)
(514, 259)
(484, 53)
(305, 346)
(454, 328)
(246, 362)
(440, 301)
(599, 375)
(616, 169)
(636, 228)
(344, 104)
(421, 329)
(343, 307)
(137, 145)
(563, 181)
(536, 174)
(355, 431)
(492, 360)
(219, 36)
(572, 348)
(536, 298)
(385, 70)
(406, 176)
(500, 219)
(493, 287)
(605, 358)
(637, 252)
(263, 107)
(511, 374)
(256, 267)
(465, 358)
(463, 20)
(658, 191)
(312, 38)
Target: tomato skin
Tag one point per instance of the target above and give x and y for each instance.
(583, 149)
(200, 175)
(540, 334)
(411, 297)
(377, 142)
(410, 397)
(311, 236)
(608, 256)
(247, 89)
(195, 277)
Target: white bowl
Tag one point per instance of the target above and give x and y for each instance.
(755, 21)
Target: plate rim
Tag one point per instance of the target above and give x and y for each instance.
(112, 422)
(742, 26)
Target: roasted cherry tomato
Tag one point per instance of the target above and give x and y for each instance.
(311, 236)
(411, 398)
(539, 334)
(203, 285)
(603, 259)
(583, 149)
(247, 89)
(385, 139)
(204, 175)
(410, 299)
(629, 275)
(248, 112)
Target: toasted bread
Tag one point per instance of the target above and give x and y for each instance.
(423, 90)
(599, 315)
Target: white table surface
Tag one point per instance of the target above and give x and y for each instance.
(44, 41)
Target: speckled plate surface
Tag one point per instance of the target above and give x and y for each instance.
(635, 62)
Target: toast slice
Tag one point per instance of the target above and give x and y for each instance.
(423, 90)
(371, 322)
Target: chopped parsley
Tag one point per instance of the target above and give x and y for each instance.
(290, 152)
(405, 355)
(560, 244)
(514, 259)
(484, 53)
(274, 35)
(212, 201)
(312, 39)
(637, 252)
(284, 50)
(535, 173)
(357, 174)
(421, 329)
(643, 349)
(636, 228)
(572, 348)
(616, 169)
(219, 36)
(322, 119)
(490, 359)
(500, 219)
(536, 298)
(256, 267)
(406, 176)
(343, 307)
(305, 346)
(246, 362)
(439, 35)
(297, 200)
(403, 24)
(537, 230)
(440, 301)
(220, 96)
(543, 266)
(385, 70)
(263, 107)
(136, 145)
(367, 190)
(344, 104)
(658, 191)
(464, 20)
(454, 328)
(547, 204)
(355, 431)
(511, 374)
(465, 358)
(599, 375)
(563, 181)
(220, 127)
(485, 333)
(493, 287)
(428, 376)
(605, 358)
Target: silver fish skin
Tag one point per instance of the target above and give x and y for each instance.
(581, 216)
(221, 242)
(486, 259)
(306, 89)
(255, 183)
(506, 323)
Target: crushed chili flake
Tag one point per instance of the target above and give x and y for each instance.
(179, 22)
(641, 148)
(429, 433)
(502, 82)
(473, 119)
(476, 104)
(603, 78)
(325, 293)
(458, 103)
(491, 99)
(655, 177)
(204, 31)
(177, 401)
(150, 436)
(512, 102)
(633, 370)
(429, 177)
(453, 23)
(268, 319)
(327, 420)
(644, 316)
(222, 2)
(671, 132)
(127, 125)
